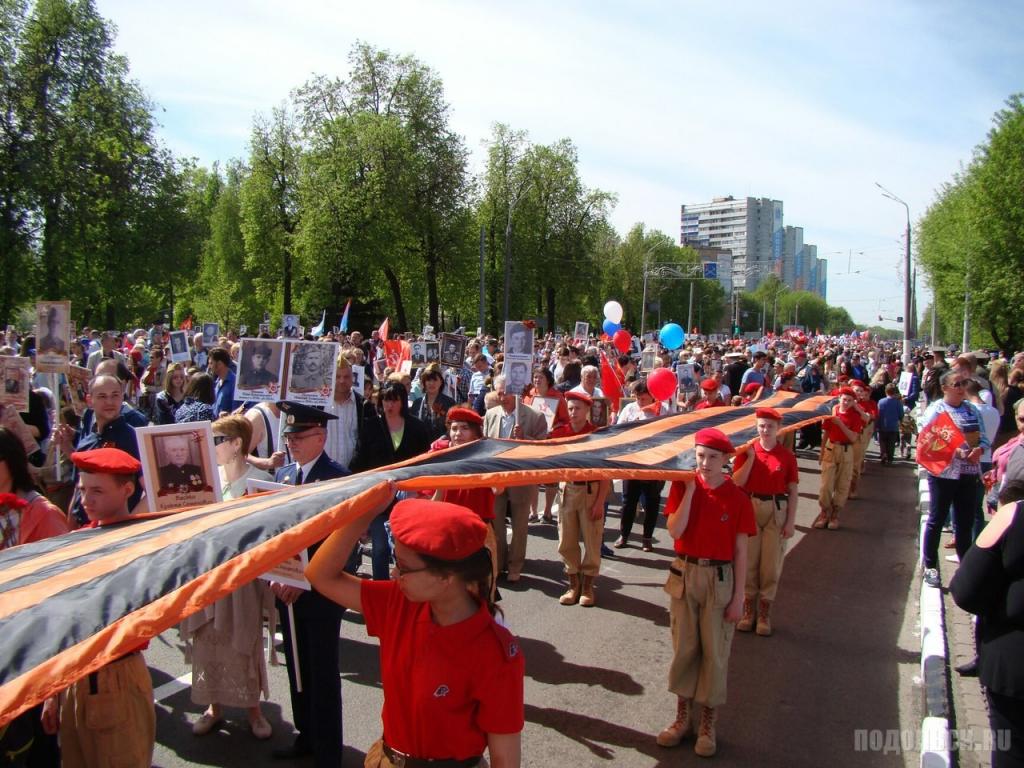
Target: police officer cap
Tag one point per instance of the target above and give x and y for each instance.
(714, 438)
(299, 417)
(106, 461)
(438, 529)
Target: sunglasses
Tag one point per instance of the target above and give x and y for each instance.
(959, 384)
(218, 439)
(403, 571)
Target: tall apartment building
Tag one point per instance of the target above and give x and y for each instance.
(752, 229)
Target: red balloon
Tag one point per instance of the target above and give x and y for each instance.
(622, 341)
(661, 383)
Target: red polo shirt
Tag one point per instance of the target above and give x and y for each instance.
(445, 688)
(565, 430)
(772, 472)
(716, 516)
(853, 421)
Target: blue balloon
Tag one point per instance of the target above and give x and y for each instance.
(671, 336)
(610, 328)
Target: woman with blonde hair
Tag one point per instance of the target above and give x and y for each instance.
(228, 666)
(170, 398)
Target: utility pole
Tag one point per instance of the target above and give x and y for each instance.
(689, 314)
(906, 278)
(480, 312)
(965, 344)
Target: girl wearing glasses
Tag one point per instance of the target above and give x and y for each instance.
(452, 676)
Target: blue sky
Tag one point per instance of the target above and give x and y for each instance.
(668, 103)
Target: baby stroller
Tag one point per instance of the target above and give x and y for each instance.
(908, 431)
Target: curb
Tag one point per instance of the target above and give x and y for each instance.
(935, 738)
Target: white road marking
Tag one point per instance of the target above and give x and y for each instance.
(167, 690)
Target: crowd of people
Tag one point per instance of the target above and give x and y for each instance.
(729, 526)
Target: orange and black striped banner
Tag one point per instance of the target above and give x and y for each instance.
(71, 604)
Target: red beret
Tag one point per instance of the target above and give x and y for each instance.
(767, 413)
(858, 384)
(846, 391)
(714, 438)
(751, 388)
(106, 461)
(438, 529)
(583, 397)
(709, 385)
(467, 415)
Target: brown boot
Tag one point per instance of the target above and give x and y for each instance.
(679, 729)
(746, 623)
(706, 745)
(572, 595)
(587, 592)
(833, 519)
(821, 520)
(764, 618)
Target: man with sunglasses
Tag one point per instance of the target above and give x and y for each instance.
(316, 705)
(956, 486)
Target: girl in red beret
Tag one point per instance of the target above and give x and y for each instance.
(452, 675)
(710, 519)
(841, 432)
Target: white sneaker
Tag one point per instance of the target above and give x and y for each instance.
(931, 578)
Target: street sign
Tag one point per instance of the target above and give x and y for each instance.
(710, 270)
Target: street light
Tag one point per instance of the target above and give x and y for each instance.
(906, 277)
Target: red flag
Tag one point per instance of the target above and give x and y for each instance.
(186, 324)
(396, 351)
(610, 383)
(938, 443)
(382, 332)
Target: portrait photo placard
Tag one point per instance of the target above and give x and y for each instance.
(211, 334)
(599, 412)
(179, 465)
(647, 358)
(518, 371)
(260, 367)
(309, 372)
(453, 349)
(53, 336)
(290, 328)
(518, 339)
(179, 347)
(78, 387)
(548, 406)
(359, 379)
(433, 353)
(418, 353)
(243, 330)
(17, 380)
(264, 329)
(581, 332)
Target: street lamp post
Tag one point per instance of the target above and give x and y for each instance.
(906, 277)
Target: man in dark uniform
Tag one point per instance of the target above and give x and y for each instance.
(52, 341)
(179, 476)
(735, 367)
(316, 709)
(257, 374)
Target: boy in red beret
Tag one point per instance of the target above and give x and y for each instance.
(107, 717)
(580, 513)
(452, 676)
(710, 519)
(869, 406)
(768, 471)
(840, 433)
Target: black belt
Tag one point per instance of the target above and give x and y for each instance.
(769, 496)
(703, 561)
(402, 760)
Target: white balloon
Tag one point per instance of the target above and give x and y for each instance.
(613, 311)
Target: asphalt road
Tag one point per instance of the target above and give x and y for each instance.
(842, 660)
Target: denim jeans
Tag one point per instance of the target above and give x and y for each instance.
(962, 496)
(380, 541)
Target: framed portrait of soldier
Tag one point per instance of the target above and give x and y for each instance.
(433, 351)
(264, 329)
(418, 353)
(647, 358)
(290, 328)
(260, 362)
(53, 340)
(179, 347)
(599, 412)
(179, 465)
(78, 387)
(359, 379)
(581, 332)
(17, 380)
(211, 334)
(518, 339)
(518, 370)
(686, 376)
(309, 372)
(453, 349)
(243, 330)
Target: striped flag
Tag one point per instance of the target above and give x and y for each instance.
(72, 604)
(343, 327)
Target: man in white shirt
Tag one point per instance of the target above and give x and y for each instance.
(347, 405)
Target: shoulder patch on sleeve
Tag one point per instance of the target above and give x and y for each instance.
(507, 642)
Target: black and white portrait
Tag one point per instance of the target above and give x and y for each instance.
(453, 349)
(211, 334)
(290, 327)
(518, 339)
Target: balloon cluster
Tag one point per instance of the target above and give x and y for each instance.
(612, 326)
